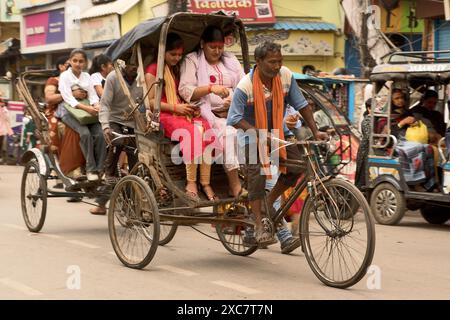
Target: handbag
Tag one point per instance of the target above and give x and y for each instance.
(417, 132)
(83, 117)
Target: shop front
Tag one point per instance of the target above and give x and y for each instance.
(101, 25)
(50, 29)
(302, 42)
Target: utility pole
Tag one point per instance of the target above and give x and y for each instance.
(367, 62)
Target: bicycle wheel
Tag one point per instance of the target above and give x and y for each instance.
(337, 233)
(168, 229)
(133, 222)
(33, 196)
(232, 238)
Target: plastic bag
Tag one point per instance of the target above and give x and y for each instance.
(417, 132)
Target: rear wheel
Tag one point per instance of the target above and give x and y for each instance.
(387, 204)
(33, 196)
(168, 229)
(435, 214)
(233, 237)
(337, 233)
(133, 222)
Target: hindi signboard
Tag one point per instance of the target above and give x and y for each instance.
(249, 11)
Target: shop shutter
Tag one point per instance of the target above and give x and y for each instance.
(442, 36)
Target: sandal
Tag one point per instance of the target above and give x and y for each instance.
(98, 211)
(211, 196)
(192, 195)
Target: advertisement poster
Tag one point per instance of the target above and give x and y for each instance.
(45, 28)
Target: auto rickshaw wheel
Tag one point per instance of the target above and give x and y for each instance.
(33, 196)
(435, 214)
(388, 204)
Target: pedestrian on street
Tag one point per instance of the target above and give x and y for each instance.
(5, 125)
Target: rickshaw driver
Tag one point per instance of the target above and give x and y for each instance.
(260, 103)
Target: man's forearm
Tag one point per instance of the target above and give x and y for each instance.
(309, 119)
(244, 125)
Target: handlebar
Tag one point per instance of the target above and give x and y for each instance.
(307, 142)
(119, 136)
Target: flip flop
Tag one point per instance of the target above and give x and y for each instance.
(97, 213)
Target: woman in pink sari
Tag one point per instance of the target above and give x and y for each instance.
(182, 121)
(210, 76)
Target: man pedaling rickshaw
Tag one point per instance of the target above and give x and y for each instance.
(260, 103)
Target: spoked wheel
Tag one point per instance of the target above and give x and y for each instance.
(233, 236)
(337, 233)
(164, 198)
(33, 195)
(133, 222)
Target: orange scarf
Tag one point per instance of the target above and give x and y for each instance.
(277, 113)
(170, 89)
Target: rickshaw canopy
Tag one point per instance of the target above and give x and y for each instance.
(189, 26)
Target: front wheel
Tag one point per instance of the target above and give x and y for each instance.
(435, 214)
(388, 204)
(337, 233)
(163, 197)
(33, 196)
(133, 222)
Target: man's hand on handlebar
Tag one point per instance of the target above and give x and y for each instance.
(321, 136)
(107, 134)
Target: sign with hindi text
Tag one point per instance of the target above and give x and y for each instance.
(249, 11)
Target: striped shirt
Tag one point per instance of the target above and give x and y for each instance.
(243, 105)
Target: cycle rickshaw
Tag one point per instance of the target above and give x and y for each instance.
(42, 165)
(337, 231)
(386, 185)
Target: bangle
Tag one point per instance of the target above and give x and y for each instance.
(174, 107)
(210, 88)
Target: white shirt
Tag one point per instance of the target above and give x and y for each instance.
(67, 79)
(96, 79)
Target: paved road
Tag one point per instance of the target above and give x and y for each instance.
(414, 259)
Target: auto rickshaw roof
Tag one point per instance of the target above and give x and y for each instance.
(409, 66)
(189, 26)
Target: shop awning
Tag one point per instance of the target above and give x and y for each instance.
(9, 47)
(295, 24)
(117, 7)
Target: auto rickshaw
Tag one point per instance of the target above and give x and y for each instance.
(387, 184)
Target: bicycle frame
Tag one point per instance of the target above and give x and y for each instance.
(302, 184)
